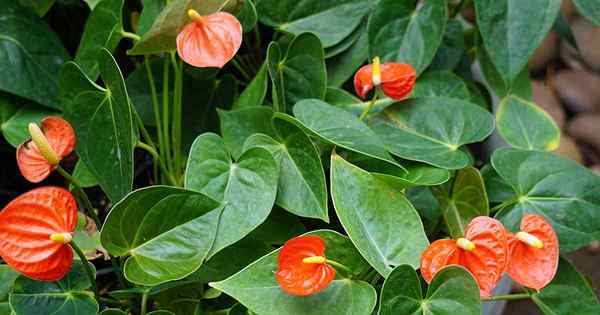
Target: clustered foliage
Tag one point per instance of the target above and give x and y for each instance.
(232, 127)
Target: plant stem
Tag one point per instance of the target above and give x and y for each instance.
(130, 35)
(338, 265)
(503, 205)
(82, 195)
(177, 112)
(508, 297)
(160, 162)
(237, 65)
(165, 114)
(369, 107)
(222, 6)
(157, 120)
(86, 267)
(144, 303)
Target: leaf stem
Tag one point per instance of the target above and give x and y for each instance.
(144, 304)
(365, 112)
(86, 267)
(133, 36)
(160, 162)
(338, 265)
(223, 5)
(165, 113)
(157, 118)
(508, 297)
(82, 195)
(177, 114)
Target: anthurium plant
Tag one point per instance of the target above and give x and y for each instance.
(284, 157)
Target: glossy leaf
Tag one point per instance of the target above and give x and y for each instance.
(67, 296)
(338, 127)
(161, 250)
(8, 276)
(299, 74)
(36, 55)
(342, 66)
(248, 16)
(452, 291)
(150, 10)
(413, 174)
(520, 86)
(14, 129)
(163, 32)
(440, 83)
(348, 41)
(428, 207)
(330, 21)
(238, 125)
(350, 103)
(401, 32)
(256, 288)
(84, 177)
(526, 126)
(589, 9)
(246, 187)
(102, 119)
(301, 189)
(432, 130)
(379, 220)
(452, 49)
(500, 21)
(497, 189)
(569, 291)
(462, 200)
(255, 92)
(540, 181)
(271, 232)
(102, 30)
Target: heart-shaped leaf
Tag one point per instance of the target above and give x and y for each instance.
(67, 296)
(526, 126)
(348, 41)
(302, 189)
(343, 99)
(557, 188)
(500, 21)
(344, 64)
(331, 21)
(520, 86)
(497, 189)
(32, 55)
(338, 127)
(102, 30)
(256, 288)
(161, 250)
(400, 31)
(150, 10)
(452, 49)
(440, 83)
(462, 200)
(18, 116)
(379, 220)
(452, 291)
(432, 130)
(238, 125)
(247, 187)
(589, 9)
(7, 281)
(255, 92)
(298, 74)
(413, 174)
(248, 16)
(162, 34)
(568, 291)
(102, 119)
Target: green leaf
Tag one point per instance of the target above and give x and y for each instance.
(298, 75)
(161, 250)
(343, 65)
(238, 125)
(160, 312)
(256, 288)
(462, 200)
(401, 32)
(557, 188)
(513, 29)
(248, 16)
(348, 41)
(246, 187)
(524, 125)
(521, 85)
(428, 207)
(150, 10)
(87, 237)
(255, 92)
(567, 292)
(440, 83)
(91, 3)
(39, 6)
(379, 220)
(563, 29)
(161, 36)
(31, 55)
(589, 9)
(338, 127)
(8, 276)
(348, 102)
(67, 296)
(413, 174)
(452, 291)
(271, 232)
(14, 129)
(102, 30)
(102, 119)
(331, 21)
(497, 189)
(112, 311)
(452, 49)
(432, 130)
(84, 177)
(301, 189)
